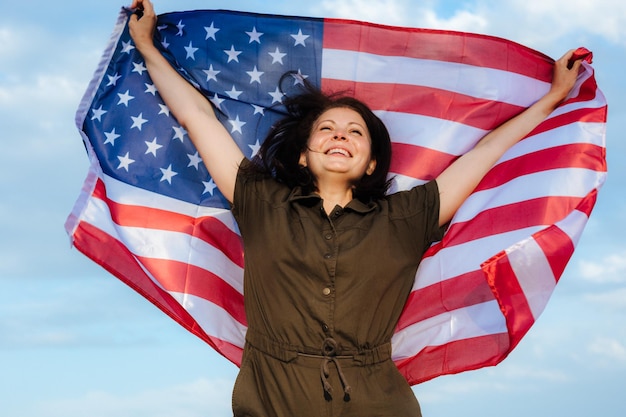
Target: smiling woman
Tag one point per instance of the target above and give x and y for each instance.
(48, 53)
(339, 149)
(317, 190)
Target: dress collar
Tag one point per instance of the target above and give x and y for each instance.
(312, 199)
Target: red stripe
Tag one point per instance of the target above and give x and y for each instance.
(425, 163)
(433, 102)
(206, 228)
(189, 279)
(588, 92)
(584, 115)
(510, 296)
(557, 245)
(575, 155)
(439, 45)
(448, 295)
(588, 203)
(417, 161)
(454, 357)
(511, 217)
(558, 248)
(113, 256)
(231, 352)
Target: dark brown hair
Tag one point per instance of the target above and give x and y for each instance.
(279, 154)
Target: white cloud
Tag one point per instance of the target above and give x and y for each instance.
(614, 299)
(462, 20)
(198, 398)
(610, 269)
(38, 99)
(611, 350)
(391, 12)
(508, 377)
(8, 44)
(606, 18)
(540, 24)
(403, 13)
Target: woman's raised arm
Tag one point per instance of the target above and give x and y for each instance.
(194, 112)
(458, 181)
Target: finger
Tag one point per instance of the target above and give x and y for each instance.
(147, 7)
(579, 55)
(575, 65)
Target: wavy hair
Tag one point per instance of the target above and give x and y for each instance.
(280, 152)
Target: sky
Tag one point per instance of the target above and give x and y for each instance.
(75, 342)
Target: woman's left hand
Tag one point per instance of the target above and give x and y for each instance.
(564, 75)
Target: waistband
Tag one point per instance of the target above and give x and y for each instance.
(286, 352)
(329, 352)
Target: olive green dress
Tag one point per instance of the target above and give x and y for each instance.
(323, 294)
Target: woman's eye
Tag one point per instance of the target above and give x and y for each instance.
(324, 128)
(356, 132)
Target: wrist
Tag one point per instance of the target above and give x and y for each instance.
(552, 99)
(145, 45)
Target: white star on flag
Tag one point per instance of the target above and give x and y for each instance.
(210, 32)
(233, 55)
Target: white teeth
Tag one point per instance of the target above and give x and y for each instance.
(338, 151)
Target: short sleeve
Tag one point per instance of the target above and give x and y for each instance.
(255, 196)
(415, 213)
(243, 177)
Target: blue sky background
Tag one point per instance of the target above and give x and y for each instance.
(76, 342)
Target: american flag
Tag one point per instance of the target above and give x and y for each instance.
(150, 214)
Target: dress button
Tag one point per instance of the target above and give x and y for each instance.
(325, 327)
(326, 291)
(328, 236)
(327, 256)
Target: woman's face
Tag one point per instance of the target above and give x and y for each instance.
(340, 144)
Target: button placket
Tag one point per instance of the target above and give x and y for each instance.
(329, 235)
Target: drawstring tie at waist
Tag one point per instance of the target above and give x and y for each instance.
(329, 351)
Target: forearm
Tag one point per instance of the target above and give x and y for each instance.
(179, 95)
(458, 181)
(512, 131)
(193, 111)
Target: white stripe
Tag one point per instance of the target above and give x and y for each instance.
(213, 319)
(573, 225)
(74, 218)
(568, 182)
(474, 321)
(123, 193)
(413, 129)
(534, 274)
(452, 261)
(465, 79)
(575, 133)
(403, 182)
(167, 245)
(570, 134)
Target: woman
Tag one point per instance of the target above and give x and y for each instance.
(322, 300)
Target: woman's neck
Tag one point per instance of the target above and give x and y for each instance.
(334, 195)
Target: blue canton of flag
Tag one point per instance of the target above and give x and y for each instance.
(235, 59)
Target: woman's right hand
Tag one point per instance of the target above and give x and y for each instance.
(142, 28)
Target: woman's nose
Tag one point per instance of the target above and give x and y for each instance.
(339, 135)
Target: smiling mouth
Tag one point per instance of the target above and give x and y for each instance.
(339, 151)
